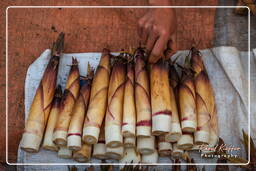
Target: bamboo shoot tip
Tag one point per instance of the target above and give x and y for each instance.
(105, 51)
(59, 44)
(74, 61)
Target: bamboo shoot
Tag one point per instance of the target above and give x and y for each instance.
(164, 147)
(98, 100)
(186, 141)
(115, 153)
(142, 96)
(41, 105)
(150, 158)
(176, 152)
(66, 105)
(84, 154)
(187, 104)
(99, 149)
(175, 133)
(113, 120)
(78, 114)
(130, 156)
(146, 145)
(48, 136)
(160, 98)
(207, 130)
(129, 111)
(130, 142)
(64, 152)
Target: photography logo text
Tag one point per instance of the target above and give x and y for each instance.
(218, 151)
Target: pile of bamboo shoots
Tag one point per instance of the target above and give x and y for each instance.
(127, 110)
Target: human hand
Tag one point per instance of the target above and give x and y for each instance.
(157, 30)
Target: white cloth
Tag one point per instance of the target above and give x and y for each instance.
(227, 70)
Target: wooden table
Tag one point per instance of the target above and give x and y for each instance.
(87, 30)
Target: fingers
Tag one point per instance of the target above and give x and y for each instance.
(141, 25)
(152, 38)
(146, 32)
(158, 49)
(155, 36)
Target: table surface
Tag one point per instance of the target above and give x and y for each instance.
(30, 31)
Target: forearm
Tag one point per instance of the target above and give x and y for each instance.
(156, 29)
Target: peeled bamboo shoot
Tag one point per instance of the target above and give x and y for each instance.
(186, 141)
(146, 145)
(99, 149)
(113, 120)
(202, 134)
(48, 136)
(142, 96)
(84, 154)
(129, 111)
(130, 142)
(65, 152)
(41, 105)
(150, 158)
(207, 129)
(66, 106)
(175, 133)
(164, 147)
(187, 104)
(160, 98)
(78, 114)
(115, 153)
(176, 152)
(98, 100)
(130, 156)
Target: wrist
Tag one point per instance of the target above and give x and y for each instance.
(160, 2)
